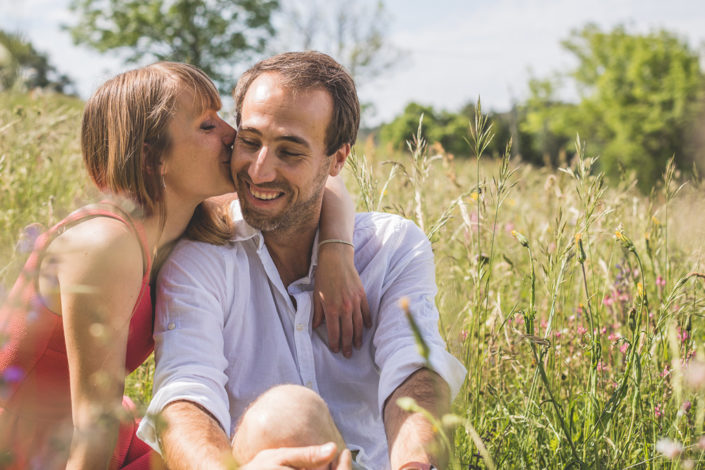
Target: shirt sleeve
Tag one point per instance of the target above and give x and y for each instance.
(192, 301)
(410, 275)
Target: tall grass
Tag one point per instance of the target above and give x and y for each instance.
(575, 304)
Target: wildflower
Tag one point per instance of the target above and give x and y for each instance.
(601, 367)
(13, 374)
(660, 281)
(474, 196)
(28, 237)
(509, 227)
(658, 412)
(640, 289)
(694, 374)
(682, 334)
(666, 371)
(579, 246)
(607, 301)
(581, 330)
(463, 335)
(520, 238)
(557, 334)
(685, 407)
(625, 241)
(655, 221)
(581, 308)
(669, 448)
(613, 337)
(623, 348)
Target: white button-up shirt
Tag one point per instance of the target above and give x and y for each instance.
(226, 330)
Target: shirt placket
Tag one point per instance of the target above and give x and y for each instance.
(302, 338)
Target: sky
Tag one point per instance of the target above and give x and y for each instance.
(453, 51)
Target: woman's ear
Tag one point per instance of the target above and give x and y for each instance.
(152, 165)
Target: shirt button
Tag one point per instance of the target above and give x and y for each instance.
(299, 326)
(171, 326)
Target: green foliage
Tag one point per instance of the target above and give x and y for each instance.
(446, 128)
(639, 95)
(213, 35)
(23, 67)
(41, 169)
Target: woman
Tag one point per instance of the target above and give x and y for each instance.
(80, 315)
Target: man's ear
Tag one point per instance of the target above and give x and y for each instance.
(339, 158)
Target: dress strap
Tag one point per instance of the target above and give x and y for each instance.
(114, 211)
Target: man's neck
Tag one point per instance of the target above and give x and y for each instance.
(291, 251)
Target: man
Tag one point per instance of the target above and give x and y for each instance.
(234, 322)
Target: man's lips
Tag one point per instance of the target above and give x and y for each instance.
(263, 194)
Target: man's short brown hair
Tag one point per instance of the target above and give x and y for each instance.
(305, 71)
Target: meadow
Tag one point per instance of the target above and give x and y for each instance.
(576, 304)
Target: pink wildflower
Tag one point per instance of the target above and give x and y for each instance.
(623, 348)
(660, 281)
(658, 411)
(607, 301)
(665, 371)
(581, 330)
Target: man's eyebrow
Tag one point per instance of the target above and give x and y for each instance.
(289, 138)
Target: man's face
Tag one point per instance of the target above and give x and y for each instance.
(279, 161)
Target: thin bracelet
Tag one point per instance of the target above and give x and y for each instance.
(334, 240)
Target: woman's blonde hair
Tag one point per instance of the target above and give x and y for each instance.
(124, 137)
(124, 134)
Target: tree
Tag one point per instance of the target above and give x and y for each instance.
(639, 94)
(449, 129)
(354, 33)
(211, 34)
(21, 65)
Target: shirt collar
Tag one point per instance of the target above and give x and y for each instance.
(244, 231)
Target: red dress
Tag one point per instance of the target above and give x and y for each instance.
(35, 399)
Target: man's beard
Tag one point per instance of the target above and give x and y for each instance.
(292, 215)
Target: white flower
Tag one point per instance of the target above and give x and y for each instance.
(694, 374)
(670, 449)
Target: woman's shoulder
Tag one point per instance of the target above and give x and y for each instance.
(103, 242)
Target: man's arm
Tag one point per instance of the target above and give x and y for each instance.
(191, 438)
(411, 436)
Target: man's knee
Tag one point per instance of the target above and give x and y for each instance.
(284, 416)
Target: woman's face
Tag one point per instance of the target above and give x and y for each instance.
(197, 165)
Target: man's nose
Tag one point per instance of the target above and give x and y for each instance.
(262, 169)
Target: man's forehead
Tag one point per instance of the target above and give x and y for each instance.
(268, 100)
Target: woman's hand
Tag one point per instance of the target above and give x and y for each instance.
(340, 297)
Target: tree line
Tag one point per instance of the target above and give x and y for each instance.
(639, 102)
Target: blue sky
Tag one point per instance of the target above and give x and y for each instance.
(454, 50)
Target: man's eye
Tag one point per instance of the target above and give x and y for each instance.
(290, 153)
(206, 126)
(248, 143)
